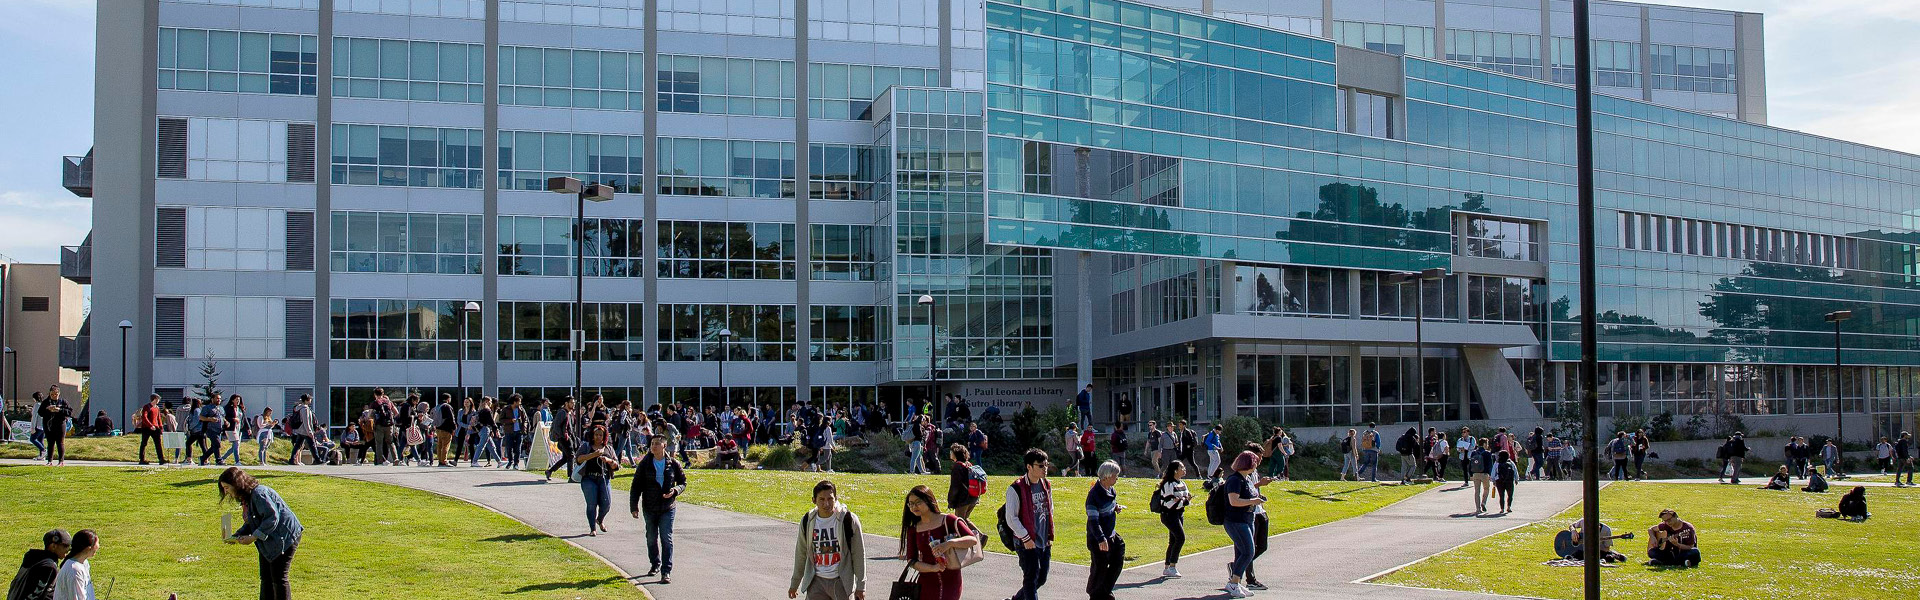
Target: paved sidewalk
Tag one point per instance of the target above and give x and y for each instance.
(726, 555)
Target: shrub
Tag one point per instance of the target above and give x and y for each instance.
(1027, 430)
(1237, 430)
(1660, 428)
(1629, 424)
(779, 457)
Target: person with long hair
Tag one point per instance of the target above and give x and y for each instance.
(75, 581)
(926, 535)
(1854, 504)
(484, 434)
(596, 464)
(236, 423)
(1173, 498)
(268, 525)
(959, 498)
(1505, 473)
(263, 433)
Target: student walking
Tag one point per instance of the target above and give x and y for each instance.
(235, 414)
(1482, 460)
(963, 493)
(445, 422)
(1350, 456)
(484, 427)
(263, 426)
(562, 436)
(55, 415)
(1437, 454)
(213, 427)
(1619, 450)
(513, 423)
(1370, 453)
(1536, 453)
(75, 580)
(1242, 489)
(1170, 500)
(300, 428)
(1212, 444)
(596, 465)
(1641, 444)
(1504, 475)
(1903, 459)
(1109, 550)
(829, 558)
(657, 484)
(149, 425)
(269, 526)
(1030, 500)
(926, 536)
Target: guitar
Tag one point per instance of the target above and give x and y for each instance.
(1564, 547)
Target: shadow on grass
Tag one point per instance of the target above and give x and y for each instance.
(584, 584)
(516, 537)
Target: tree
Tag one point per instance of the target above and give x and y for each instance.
(210, 371)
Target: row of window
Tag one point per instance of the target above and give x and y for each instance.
(1693, 69)
(1492, 237)
(237, 61)
(843, 91)
(1658, 233)
(373, 329)
(1504, 300)
(451, 244)
(1310, 390)
(1391, 39)
(408, 70)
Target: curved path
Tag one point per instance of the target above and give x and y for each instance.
(726, 555)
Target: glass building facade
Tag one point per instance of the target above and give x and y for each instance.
(1199, 210)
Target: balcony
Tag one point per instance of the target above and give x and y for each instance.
(76, 174)
(76, 262)
(76, 353)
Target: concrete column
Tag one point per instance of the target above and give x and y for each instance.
(323, 222)
(1354, 380)
(490, 212)
(1083, 322)
(650, 205)
(1230, 379)
(124, 84)
(1646, 54)
(802, 224)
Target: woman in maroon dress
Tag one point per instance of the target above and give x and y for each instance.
(926, 535)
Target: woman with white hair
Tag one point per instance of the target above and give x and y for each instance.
(1109, 551)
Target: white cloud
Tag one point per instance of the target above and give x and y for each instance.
(37, 224)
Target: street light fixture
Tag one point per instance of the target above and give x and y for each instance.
(1419, 280)
(933, 351)
(1839, 398)
(460, 360)
(125, 327)
(582, 192)
(725, 335)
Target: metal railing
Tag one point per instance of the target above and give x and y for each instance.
(76, 263)
(76, 353)
(76, 174)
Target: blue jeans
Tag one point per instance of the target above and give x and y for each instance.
(659, 539)
(511, 448)
(1242, 536)
(1086, 416)
(599, 493)
(1369, 464)
(485, 445)
(1034, 565)
(914, 463)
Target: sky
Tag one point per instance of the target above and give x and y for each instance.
(1847, 69)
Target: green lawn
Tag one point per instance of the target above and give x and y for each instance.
(160, 533)
(1758, 545)
(878, 499)
(127, 448)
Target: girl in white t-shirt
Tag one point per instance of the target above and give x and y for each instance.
(75, 581)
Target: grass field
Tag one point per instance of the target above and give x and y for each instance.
(878, 499)
(160, 531)
(127, 448)
(1757, 545)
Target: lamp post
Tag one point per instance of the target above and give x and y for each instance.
(582, 192)
(933, 351)
(125, 327)
(725, 336)
(1839, 395)
(1419, 279)
(460, 360)
(1589, 296)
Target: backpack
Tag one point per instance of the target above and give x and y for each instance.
(293, 421)
(846, 527)
(1006, 533)
(382, 416)
(976, 480)
(1154, 503)
(1217, 505)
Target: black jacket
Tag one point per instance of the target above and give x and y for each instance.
(646, 492)
(34, 580)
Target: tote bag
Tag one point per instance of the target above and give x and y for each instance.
(960, 558)
(907, 587)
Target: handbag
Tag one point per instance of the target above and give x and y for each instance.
(959, 558)
(907, 587)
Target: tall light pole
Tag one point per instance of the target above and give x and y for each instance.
(1839, 394)
(582, 192)
(125, 327)
(933, 352)
(1589, 298)
(1419, 279)
(460, 360)
(725, 336)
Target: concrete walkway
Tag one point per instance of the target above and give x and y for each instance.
(725, 555)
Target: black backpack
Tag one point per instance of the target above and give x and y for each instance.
(1217, 505)
(293, 421)
(382, 416)
(1155, 502)
(1006, 533)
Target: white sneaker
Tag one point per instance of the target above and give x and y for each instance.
(1171, 572)
(1235, 590)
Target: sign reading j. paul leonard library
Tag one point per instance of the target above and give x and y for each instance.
(1011, 396)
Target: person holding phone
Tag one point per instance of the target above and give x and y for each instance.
(596, 466)
(657, 484)
(269, 526)
(1243, 496)
(926, 535)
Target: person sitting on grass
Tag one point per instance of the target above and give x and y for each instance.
(40, 567)
(1606, 542)
(1673, 542)
(1816, 482)
(1781, 480)
(1854, 504)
